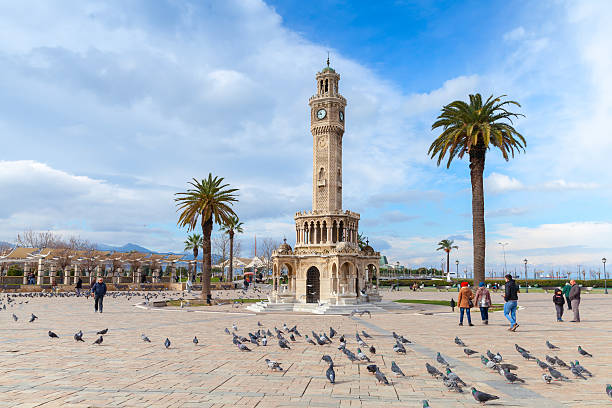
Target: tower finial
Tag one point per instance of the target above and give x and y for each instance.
(328, 58)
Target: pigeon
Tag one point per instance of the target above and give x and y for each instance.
(195, 340)
(273, 365)
(528, 356)
(366, 335)
(292, 337)
(102, 331)
(399, 348)
(459, 342)
(227, 331)
(542, 364)
(332, 332)
(550, 345)
(582, 369)
(78, 336)
(395, 368)
(145, 338)
(33, 317)
(451, 384)
(507, 367)
(15, 318)
(454, 377)
(284, 344)
(469, 352)
(309, 340)
(331, 374)
(327, 359)
(510, 376)
(441, 360)
(547, 378)
(556, 374)
(482, 397)
(584, 352)
(264, 341)
(609, 390)
(362, 356)
(550, 360)
(167, 343)
(99, 340)
(560, 362)
(433, 371)
(259, 324)
(372, 349)
(577, 372)
(53, 335)
(381, 377)
(520, 349)
(426, 404)
(242, 347)
(234, 327)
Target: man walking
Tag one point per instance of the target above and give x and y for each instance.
(79, 286)
(566, 290)
(574, 298)
(511, 299)
(98, 291)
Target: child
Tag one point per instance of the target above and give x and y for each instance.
(559, 301)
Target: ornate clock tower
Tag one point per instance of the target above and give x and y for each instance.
(327, 128)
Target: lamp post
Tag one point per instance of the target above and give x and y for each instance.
(457, 264)
(605, 276)
(503, 244)
(397, 273)
(526, 284)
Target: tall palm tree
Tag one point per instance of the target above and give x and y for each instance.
(210, 201)
(447, 246)
(193, 243)
(473, 128)
(230, 228)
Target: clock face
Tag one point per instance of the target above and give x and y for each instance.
(321, 113)
(341, 116)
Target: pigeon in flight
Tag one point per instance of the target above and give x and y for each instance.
(469, 352)
(482, 397)
(99, 340)
(331, 374)
(167, 343)
(550, 345)
(78, 336)
(102, 331)
(459, 342)
(145, 338)
(33, 317)
(584, 352)
(53, 335)
(395, 368)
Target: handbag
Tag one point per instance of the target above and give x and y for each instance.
(470, 303)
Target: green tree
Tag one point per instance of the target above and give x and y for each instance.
(230, 228)
(362, 240)
(193, 243)
(447, 246)
(473, 128)
(209, 201)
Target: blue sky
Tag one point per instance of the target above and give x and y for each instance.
(108, 108)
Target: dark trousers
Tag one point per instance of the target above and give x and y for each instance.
(568, 302)
(559, 309)
(98, 303)
(465, 310)
(484, 313)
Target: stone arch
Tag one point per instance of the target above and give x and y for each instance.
(324, 232)
(334, 232)
(313, 285)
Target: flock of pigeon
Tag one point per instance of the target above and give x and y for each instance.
(552, 366)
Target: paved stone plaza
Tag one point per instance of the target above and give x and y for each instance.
(124, 371)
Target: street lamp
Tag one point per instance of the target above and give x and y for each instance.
(605, 276)
(526, 284)
(397, 272)
(457, 263)
(503, 244)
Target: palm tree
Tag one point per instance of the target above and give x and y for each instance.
(447, 246)
(473, 128)
(193, 243)
(210, 201)
(232, 226)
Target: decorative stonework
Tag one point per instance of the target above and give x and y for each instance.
(326, 264)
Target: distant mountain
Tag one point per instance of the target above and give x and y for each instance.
(125, 248)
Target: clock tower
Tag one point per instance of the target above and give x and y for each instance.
(327, 127)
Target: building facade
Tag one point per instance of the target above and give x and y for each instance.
(327, 264)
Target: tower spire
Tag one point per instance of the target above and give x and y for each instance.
(328, 58)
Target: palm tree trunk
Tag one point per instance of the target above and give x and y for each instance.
(195, 262)
(231, 265)
(207, 226)
(448, 264)
(477, 163)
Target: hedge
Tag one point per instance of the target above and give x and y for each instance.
(547, 283)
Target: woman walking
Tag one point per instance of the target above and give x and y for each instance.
(465, 303)
(483, 300)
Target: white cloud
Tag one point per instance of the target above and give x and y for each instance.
(517, 34)
(500, 183)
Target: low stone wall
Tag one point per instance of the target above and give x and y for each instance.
(110, 287)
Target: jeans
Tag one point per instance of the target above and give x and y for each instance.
(484, 313)
(576, 308)
(510, 311)
(465, 310)
(569, 303)
(98, 303)
(559, 309)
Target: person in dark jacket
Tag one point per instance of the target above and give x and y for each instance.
(79, 286)
(559, 301)
(98, 291)
(574, 296)
(566, 290)
(511, 299)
